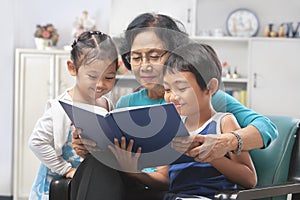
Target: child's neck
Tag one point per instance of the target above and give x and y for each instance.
(194, 122)
(78, 97)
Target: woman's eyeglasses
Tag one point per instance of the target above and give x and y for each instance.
(88, 35)
(152, 58)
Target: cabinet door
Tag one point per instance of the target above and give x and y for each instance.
(183, 11)
(63, 78)
(275, 76)
(33, 80)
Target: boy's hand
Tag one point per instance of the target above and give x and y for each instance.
(82, 146)
(127, 159)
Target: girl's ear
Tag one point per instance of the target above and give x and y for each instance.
(213, 85)
(71, 68)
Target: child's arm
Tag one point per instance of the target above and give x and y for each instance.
(128, 163)
(41, 142)
(237, 168)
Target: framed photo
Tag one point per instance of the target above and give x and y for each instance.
(242, 22)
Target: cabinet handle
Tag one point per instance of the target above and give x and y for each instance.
(189, 15)
(254, 80)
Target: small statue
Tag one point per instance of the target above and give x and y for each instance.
(83, 24)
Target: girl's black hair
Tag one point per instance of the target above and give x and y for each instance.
(200, 59)
(170, 31)
(91, 46)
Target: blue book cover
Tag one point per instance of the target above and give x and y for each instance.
(151, 127)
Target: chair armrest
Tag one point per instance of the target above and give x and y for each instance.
(60, 189)
(260, 192)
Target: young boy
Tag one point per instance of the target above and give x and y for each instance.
(192, 75)
(94, 63)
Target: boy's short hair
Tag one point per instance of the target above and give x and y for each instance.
(198, 58)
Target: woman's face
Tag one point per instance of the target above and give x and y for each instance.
(147, 57)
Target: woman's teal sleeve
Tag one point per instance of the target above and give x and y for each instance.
(223, 102)
(123, 102)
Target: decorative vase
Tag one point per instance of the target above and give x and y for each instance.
(42, 43)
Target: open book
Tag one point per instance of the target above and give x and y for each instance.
(151, 127)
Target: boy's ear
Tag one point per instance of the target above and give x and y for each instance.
(213, 85)
(71, 68)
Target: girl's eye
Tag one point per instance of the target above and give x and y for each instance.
(92, 76)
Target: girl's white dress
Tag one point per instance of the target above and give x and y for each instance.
(51, 142)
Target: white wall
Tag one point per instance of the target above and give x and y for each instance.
(18, 25)
(6, 96)
(18, 22)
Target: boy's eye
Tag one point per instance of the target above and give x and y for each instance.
(182, 89)
(167, 90)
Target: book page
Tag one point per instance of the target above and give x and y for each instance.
(131, 108)
(88, 107)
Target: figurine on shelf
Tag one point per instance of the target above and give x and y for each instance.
(235, 73)
(226, 70)
(83, 24)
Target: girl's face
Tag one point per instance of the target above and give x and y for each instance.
(147, 57)
(182, 89)
(95, 80)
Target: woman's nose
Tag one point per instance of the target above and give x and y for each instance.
(146, 66)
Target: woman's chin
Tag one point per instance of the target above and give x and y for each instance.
(150, 86)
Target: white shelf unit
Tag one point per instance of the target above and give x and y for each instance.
(269, 71)
(234, 51)
(39, 76)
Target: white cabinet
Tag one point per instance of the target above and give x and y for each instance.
(269, 69)
(184, 11)
(275, 76)
(39, 76)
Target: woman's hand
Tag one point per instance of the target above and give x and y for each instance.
(81, 145)
(204, 148)
(127, 159)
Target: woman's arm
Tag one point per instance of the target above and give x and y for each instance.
(257, 131)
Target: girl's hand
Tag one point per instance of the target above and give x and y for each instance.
(125, 157)
(82, 146)
(70, 173)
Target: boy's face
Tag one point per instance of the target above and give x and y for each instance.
(182, 89)
(95, 80)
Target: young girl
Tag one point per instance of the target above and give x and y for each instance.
(94, 63)
(192, 75)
